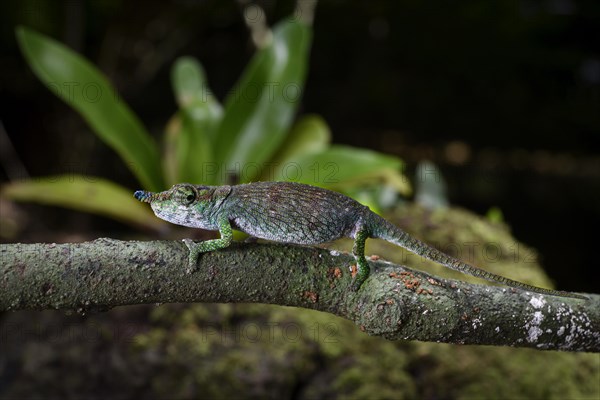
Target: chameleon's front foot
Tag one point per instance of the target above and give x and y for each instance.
(195, 250)
(208, 245)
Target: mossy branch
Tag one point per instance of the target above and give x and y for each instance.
(395, 302)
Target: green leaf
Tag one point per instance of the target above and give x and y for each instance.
(176, 155)
(260, 108)
(495, 215)
(85, 193)
(81, 85)
(193, 94)
(180, 163)
(344, 167)
(200, 115)
(430, 186)
(171, 161)
(309, 135)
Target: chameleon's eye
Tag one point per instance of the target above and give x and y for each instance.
(187, 195)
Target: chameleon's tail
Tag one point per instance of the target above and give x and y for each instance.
(385, 230)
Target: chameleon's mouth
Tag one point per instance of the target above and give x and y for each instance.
(143, 196)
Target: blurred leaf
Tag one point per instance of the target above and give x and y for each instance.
(430, 191)
(193, 94)
(85, 193)
(343, 167)
(82, 86)
(309, 135)
(200, 115)
(260, 108)
(495, 215)
(180, 164)
(170, 160)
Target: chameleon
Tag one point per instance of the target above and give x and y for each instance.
(295, 213)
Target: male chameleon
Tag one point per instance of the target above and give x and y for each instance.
(294, 213)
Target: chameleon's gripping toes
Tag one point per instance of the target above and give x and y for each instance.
(294, 213)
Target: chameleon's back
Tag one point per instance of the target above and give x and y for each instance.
(292, 212)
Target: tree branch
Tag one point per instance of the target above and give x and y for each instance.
(395, 302)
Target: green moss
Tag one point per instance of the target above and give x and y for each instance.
(268, 351)
(475, 372)
(283, 351)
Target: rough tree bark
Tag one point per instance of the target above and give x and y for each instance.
(395, 302)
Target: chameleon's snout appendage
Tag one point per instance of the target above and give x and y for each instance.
(142, 195)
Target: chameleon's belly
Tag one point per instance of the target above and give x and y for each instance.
(293, 213)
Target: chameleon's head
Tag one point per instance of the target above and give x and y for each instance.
(183, 204)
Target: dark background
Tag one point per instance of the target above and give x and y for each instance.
(503, 95)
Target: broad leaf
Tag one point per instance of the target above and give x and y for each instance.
(309, 135)
(81, 85)
(342, 167)
(170, 157)
(260, 108)
(200, 114)
(193, 94)
(85, 193)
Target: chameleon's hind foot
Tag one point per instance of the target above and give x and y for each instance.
(355, 285)
(362, 273)
(358, 250)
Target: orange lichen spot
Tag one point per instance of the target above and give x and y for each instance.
(411, 284)
(389, 302)
(333, 274)
(433, 281)
(353, 270)
(408, 278)
(374, 257)
(312, 296)
(425, 291)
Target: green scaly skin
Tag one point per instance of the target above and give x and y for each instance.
(295, 213)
